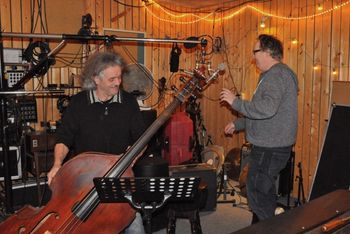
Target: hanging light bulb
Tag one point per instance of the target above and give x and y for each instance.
(319, 7)
(262, 22)
(334, 72)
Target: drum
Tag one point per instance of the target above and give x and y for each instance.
(214, 156)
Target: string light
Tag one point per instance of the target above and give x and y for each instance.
(294, 41)
(179, 22)
(206, 17)
(334, 72)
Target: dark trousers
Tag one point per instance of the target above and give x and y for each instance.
(264, 167)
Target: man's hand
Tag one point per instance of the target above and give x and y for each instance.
(230, 128)
(52, 173)
(227, 96)
(61, 151)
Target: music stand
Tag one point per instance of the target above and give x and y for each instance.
(146, 193)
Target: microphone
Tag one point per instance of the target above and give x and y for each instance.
(174, 58)
(220, 70)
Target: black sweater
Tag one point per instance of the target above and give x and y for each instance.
(90, 125)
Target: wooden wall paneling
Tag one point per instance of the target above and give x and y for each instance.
(207, 106)
(164, 49)
(214, 89)
(301, 58)
(16, 22)
(155, 46)
(294, 34)
(149, 51)
(267, 7)
(6, 23)
(327, 55)
(287, 34)
(107, 13)
(143, 18)
(238, 63)
(291, 50)
(344, 66)
(114, 14)
(335, 47)
(273, 21)
(129, 16)
(316, 92)
(156, 50)
(121, 15)
(344, 69)
(280, 11)
(243, 69)
(99, 15)
(135, 18)
(306, 93)
(225, 31)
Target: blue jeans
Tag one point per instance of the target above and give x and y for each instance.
(136, 227)
(264, 167)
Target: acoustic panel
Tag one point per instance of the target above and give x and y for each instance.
(333, 169)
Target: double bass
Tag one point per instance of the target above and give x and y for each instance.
(74, 206)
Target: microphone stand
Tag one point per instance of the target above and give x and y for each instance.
(4, 143)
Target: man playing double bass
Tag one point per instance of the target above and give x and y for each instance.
(101, 118)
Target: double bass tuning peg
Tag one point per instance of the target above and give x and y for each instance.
(173, 87)
(182, 79)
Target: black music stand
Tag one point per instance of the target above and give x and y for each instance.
(146, 194)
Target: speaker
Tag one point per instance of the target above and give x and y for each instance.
(15, 163)
(26, 193)
(40, 141)
(206, 172)
(39, 162)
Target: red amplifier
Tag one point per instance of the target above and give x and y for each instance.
(178, 136)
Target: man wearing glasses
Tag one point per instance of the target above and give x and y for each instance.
(270, 122)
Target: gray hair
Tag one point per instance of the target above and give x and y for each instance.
(96, 64)
(271, 44)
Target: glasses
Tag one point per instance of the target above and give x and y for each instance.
(256, 51)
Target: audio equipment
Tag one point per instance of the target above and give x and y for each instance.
(40, 141)
(15, 163)
(22, 109)
(40, 162)
(174, 58)
(207, 174)
(27, 193)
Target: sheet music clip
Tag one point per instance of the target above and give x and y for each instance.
(146, 194)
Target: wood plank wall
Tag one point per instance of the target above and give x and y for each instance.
(319, 56)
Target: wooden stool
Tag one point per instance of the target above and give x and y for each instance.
(189, 210)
